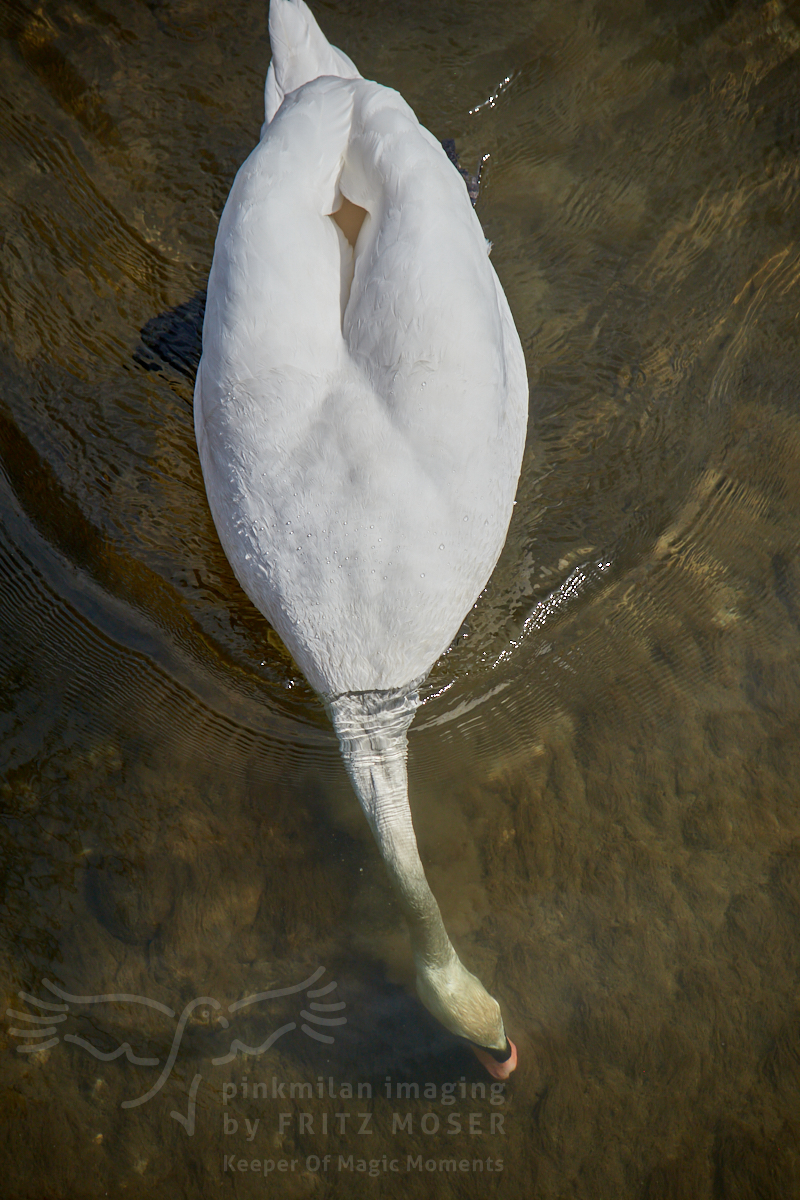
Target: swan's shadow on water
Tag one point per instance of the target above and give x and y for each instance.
(389, 1035)
(174, 337)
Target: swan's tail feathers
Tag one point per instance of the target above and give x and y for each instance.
(300, 53)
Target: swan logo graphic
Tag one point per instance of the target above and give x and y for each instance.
(40, 1030)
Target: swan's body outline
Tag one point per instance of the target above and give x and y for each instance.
(360, 410)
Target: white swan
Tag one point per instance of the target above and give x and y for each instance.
(360, 412)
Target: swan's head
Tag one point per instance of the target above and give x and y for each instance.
(461, 1003)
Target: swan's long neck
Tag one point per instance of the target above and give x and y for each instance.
(372, 728)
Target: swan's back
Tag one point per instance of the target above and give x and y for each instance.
(360, 411)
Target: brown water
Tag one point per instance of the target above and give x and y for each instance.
(604, 773)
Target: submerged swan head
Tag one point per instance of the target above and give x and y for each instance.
(461, 1003)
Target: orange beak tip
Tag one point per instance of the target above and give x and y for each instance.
(497, 1070)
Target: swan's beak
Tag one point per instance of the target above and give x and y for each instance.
(498, 1070)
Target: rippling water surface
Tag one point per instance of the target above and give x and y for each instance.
(604, 772)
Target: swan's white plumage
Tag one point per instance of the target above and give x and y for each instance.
(300, 53)
(360, 411)
(361, 464)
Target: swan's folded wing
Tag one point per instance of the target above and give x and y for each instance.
(274, 287)
(426, 318)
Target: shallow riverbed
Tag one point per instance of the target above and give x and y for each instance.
(604, 772)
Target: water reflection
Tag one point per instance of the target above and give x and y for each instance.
(603, 773)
